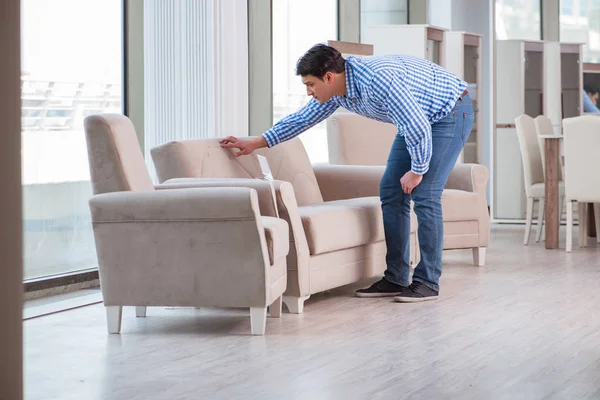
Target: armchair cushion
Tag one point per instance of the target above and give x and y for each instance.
(343, 224)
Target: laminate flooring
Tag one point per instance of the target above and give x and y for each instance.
(526, 326)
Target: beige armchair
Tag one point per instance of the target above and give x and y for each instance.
(334, 212)
(356, 140)
(179, 247)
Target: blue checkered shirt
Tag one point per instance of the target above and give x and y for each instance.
(410, 92)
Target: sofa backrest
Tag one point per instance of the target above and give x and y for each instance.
(357, 140)
(204, 158)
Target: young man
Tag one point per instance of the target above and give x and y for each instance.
(590, 98)
(434, 116)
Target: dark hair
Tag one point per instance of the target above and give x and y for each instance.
(590, 88)
(319, 60)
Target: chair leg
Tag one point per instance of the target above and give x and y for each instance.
(275, 308)
(569, 243)
(561, 204)
(479, 256)
(540, 221)
(295, 304)
(140, 311)
(528, 220)
(113, 318)
(597, 220)
(582, 224)
(258, 320)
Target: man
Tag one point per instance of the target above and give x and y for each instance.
(434, 116)
(590, 98)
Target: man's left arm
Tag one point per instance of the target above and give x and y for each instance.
(406, 113)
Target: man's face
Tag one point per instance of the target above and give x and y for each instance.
(320, 89)
(594, 97)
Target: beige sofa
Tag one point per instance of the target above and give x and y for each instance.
(356, 140)
(179, 247)
(334, 212)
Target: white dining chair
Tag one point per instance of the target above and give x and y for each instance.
(582, 181)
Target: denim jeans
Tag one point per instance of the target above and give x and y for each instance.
(449, 136)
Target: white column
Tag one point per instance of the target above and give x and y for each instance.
(11, 228)
(195, 70)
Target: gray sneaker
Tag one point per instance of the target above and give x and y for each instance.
(382, 288)
(416, 292)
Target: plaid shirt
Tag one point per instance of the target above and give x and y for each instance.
(410, 92)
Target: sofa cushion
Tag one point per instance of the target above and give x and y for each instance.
(277, 235)
(343, 224)
(460, 205)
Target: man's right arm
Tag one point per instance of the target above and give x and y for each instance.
(294, 124)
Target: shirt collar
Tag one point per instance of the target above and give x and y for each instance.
(351, 91)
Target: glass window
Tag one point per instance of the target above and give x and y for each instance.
(518, 19)
(566, 7)
(382, 12)
(71, 67)
(297, 27)
(581, 24)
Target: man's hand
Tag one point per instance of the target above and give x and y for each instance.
(409, 181)
(245, 146)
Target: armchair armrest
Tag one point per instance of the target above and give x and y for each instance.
(469, 177)
(206, 204)
(265, 190)
(338, 182)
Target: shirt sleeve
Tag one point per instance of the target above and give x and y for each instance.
(406, 113)
(588, 106)
(294, 124)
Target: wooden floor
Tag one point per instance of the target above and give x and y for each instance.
(526, 326)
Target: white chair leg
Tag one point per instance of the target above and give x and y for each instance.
(258, 320)
(569, 243)
(597, 218)
(582, 224)
(140, 311)
(479, 256)
(561, 204)
(540, 221)
(113, 318)
(528, 220)
(275, 308)
(295, 304)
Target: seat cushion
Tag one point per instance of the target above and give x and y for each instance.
(460, 205)
(277, 235)
(343, 224)
(538, 190)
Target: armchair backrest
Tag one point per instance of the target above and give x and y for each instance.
(357, 140)
(530, 152)
(204, 158)
(581, 137)
(115, 157)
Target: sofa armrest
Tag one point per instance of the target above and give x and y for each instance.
(265, 190)
(339, 182)
(469, 177)
(207, 204)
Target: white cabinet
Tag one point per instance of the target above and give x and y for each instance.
(521, 87)
(462, 56)
(424, 41)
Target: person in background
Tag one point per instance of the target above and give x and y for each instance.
(434, 115)
(590, 98)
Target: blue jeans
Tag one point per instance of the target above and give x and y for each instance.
(448, 138)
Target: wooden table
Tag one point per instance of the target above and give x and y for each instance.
(552, 155)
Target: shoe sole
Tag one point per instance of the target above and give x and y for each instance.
(414, 299)
(375, 295)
